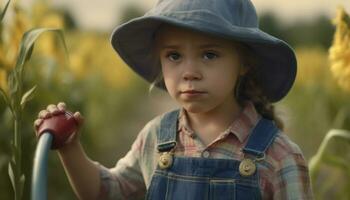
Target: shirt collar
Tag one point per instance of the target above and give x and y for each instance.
(184, 124)
(240, 127)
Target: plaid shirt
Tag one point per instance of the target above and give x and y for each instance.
(283, 172)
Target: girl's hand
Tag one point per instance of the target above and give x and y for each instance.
(53, 110)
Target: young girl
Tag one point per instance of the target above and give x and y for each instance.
(225, 141)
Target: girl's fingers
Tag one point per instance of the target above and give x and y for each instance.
(37, 123)
(51, 106)
(79, 118)
(61, 106)
(53, 109)
(44, 114)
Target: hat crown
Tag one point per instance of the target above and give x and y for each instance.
(231, 12)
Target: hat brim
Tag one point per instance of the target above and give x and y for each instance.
(277, 65)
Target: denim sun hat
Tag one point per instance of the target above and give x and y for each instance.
(230, 19)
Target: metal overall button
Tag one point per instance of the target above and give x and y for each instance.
(247, 167)
(206, 154)
(165, 160)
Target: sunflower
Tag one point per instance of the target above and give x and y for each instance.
(339, 53)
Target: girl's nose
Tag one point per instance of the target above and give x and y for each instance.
(191, 70)
(191, 75)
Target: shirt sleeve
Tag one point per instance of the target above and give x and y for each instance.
(292, 181)
(125, 180)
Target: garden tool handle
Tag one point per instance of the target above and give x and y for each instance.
(39, 176)
(61, 126)
(53, 134)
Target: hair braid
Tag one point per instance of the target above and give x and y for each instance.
(248, 88)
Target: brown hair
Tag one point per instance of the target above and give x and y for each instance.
(249, 88)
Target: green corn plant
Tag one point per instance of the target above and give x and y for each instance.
(16, 98)
(332, 152)
(4, 11)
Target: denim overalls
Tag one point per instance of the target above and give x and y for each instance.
(192, 178)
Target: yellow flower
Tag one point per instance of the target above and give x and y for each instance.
(3, 80)
(339, 53)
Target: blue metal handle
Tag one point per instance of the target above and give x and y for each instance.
(39, 178)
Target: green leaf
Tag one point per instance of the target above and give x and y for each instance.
(6, 99)
(12, 176)
(325, 152)
(27, 96)
(13, 150)
(14, 90)
(27, 43)
(4, 95)
(13, 83)
(4, 11)
(30, 52)
(21, 185)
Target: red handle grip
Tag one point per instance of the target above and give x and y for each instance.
(61, 126)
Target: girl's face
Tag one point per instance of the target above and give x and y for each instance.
(199, 71)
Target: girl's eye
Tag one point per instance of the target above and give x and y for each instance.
(210, 55)
(173, 56)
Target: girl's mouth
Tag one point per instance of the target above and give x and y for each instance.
(192, 93)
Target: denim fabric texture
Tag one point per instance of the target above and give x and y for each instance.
(206, 178)
(282, 174)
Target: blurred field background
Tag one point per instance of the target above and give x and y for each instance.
(116, 103)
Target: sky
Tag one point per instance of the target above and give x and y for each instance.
(103, 14)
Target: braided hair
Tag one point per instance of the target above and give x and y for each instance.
(248, 87)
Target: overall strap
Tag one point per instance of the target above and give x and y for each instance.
(261, 138)
(166, 134)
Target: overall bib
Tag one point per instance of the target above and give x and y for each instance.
(192, 178)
